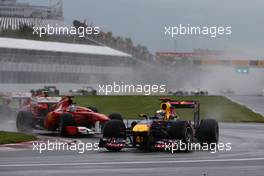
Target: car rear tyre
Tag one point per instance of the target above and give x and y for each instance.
(65, 120)
(208, 131)
(24, 121)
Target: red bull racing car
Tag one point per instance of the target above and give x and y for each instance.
(161, 130)
(59, 114)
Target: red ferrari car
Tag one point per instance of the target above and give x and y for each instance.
(59, 114)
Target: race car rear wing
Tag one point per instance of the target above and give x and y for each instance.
(187, 104)
(20, 95)
(50, 100)
(181, 104)
(184, 104)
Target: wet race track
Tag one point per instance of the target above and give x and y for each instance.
(245, 158)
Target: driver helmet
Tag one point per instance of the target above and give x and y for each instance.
(45, 93)
(72, 108)
(160, 114)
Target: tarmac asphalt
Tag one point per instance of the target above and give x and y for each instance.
(246, 157)
(254, 102)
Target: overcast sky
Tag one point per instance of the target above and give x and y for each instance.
(144, 21)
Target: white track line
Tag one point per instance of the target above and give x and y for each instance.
(244, 104)
(132, 162)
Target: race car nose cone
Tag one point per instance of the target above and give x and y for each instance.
(141, 128)
(101, 117)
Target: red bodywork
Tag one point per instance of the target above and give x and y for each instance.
(49, 114)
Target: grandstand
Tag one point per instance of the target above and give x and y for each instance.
(14, 14)
(29, 61)
(14, 23)
(26, 61)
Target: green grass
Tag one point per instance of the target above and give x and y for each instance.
(13, 137)
(217, 107)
